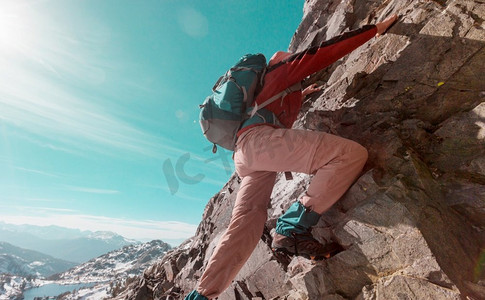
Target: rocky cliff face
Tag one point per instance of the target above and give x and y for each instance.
(412, 226)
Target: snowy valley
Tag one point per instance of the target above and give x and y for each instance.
(25, 274)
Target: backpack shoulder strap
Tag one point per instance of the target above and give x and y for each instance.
(282, 94)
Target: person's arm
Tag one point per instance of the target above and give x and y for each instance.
(302, 64)
(382, 27)
(310, 89)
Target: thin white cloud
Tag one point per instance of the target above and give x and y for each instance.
(92, 190)
(51, 209)
(134, 229)
(58, 116)
(12, 199)
(39, 209)
(179, 194)
(49, 145)
(35, 171)
(49, 87)
(37, 199)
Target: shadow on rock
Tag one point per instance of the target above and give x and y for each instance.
(421, 114)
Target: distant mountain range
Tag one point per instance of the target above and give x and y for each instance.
(62, 243)
(128, 261)
(29, 263)
(111, 271)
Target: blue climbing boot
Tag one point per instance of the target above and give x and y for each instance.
(195, 296)
(297, 219)
(293, 234)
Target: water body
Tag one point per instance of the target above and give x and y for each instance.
(53, 289)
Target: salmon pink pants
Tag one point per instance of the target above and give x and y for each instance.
(260, 153)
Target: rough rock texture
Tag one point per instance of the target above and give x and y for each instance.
(413, 224)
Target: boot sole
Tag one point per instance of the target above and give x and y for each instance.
(334, 248)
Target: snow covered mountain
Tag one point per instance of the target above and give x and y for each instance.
(11, 287)
(28, 263)
(62, 243)
(111, 271)
(128, 261)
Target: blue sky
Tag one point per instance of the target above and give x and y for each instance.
(99, 104)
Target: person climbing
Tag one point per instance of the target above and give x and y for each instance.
(266, 144)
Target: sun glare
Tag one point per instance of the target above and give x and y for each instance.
(15, 32)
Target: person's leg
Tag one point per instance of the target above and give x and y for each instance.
(261, 152)
(265, 148)
(242, 235)
(333, 177)
(336, 164)
(335, 161)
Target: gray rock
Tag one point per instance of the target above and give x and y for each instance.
(412, 225)
(405, 287)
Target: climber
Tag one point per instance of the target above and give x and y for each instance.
(266, 144)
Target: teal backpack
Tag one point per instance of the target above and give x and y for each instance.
(223, 112)
(232, 101)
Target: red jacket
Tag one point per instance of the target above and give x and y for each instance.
(286, 69)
